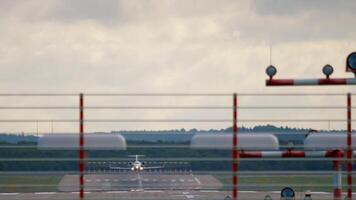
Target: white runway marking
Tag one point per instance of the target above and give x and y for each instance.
(43, 193)
(78, 192)
(116, 192)
(212, 191)
(106, 180)
(197, 180)
(320, 192)
(8, 194)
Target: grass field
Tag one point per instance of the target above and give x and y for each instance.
(29, 183)
(277, 182)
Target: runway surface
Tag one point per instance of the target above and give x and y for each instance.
(154, 194)
(150, 186)
(137, 181)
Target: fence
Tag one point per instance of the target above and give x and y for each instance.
(163, 126)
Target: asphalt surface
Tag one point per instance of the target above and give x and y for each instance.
(150, 186)
(139, 181)
(154, 194)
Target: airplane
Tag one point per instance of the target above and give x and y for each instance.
(136, 165)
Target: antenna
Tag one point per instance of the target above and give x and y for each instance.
(270, 54)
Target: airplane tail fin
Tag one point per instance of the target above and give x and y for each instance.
(136, 156)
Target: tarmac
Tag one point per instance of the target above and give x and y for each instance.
(150, 186)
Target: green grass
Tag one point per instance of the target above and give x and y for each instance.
(277, 182)
(29, 183)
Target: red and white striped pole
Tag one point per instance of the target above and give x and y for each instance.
(304, 82)
(349, 151)
(337, 165)
(235, 152)
(81, 146)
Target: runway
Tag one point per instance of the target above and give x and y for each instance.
(150, 186)
(154, 194)
(139, 181)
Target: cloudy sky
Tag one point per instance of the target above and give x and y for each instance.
(195, 46)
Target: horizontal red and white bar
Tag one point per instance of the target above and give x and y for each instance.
(300, 82)
(290, 154)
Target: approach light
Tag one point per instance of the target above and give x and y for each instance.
(328, 70)
(351, 62)
(271, 71)
(268, 197)
(287, 193)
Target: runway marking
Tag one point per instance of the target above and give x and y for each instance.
(88, 180)
(212, 191)
(248, 191)
(116, 192)
(320, 192)
(181, 180)
(173, 180)
(106, 180)
(78, 192)
(197, 180)
(153, 191)
(8, 194)
(43, 193)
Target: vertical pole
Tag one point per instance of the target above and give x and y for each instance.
(337, 176)
(235, 153)
(81, 147)
(349, 148)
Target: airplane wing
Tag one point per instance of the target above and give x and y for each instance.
(128, 168)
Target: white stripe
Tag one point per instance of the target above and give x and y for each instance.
(197, 180)
(247, 191)
(271, 154)
(8, 194)
(39, 193)
(78, 192)
(116, 192)
(306, 82)
(320, 192)
(351, 81)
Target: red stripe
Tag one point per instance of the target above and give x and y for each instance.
(280, 82)
(337, 194)
(251, 154)
(332, 81)
(293, 154)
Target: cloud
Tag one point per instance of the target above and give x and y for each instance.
(166, 46)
